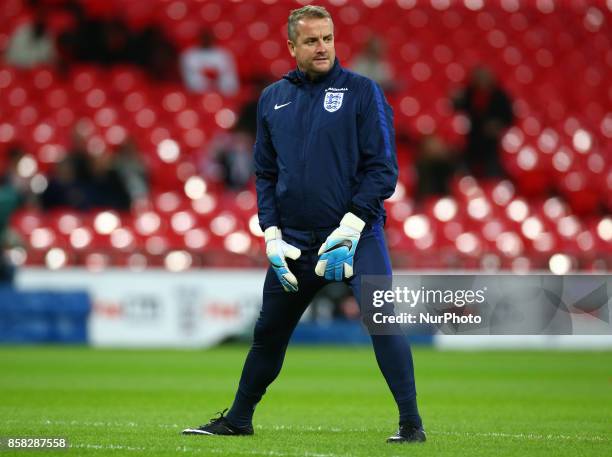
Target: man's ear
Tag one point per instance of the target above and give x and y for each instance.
(291, 48)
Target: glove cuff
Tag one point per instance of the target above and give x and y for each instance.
(352, 221)
(272, 233)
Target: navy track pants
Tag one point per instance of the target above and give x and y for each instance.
(281, 312)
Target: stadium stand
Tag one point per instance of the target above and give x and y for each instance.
(553, 58)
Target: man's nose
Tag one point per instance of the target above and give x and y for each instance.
(320, 46)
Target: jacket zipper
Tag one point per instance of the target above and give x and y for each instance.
(307, 131)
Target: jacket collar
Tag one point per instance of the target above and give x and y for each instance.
(298, 77)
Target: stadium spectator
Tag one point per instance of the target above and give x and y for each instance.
(83, 41)
(371, 62)
(247, 117)
(70, 180)
(83, 182)
(131, 170)
(78, 153)
(110, 41)
(156, 54)
(106, 188)
(435, 166)
(229, 159)
(30, 44)
(64, 188)
(14, 192)
(11, 176)
(334, 302)
(116, 42)
(489, 110)
(208, 67)
(105, 42)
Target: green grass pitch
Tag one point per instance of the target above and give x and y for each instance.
(327, 402)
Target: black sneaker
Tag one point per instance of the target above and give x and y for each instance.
(219, 426)
(408, 434)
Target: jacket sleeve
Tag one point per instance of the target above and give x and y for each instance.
(377, 167)
(266, 172)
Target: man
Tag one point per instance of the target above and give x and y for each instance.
(489, 110)
(208, 67)
(13, 194)
(325, 162)
(31, 44)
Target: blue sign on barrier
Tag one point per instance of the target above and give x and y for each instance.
(43, 316)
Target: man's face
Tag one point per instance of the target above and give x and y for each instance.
(313, 48)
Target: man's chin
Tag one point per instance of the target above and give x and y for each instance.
(322, 67)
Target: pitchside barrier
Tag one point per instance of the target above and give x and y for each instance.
(201, 308)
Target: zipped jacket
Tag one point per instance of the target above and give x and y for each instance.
(323, 148)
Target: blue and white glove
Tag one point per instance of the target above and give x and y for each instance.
(276, 251)
(336, 261)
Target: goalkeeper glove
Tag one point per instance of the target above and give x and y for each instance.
(336, 261)
(276, 251)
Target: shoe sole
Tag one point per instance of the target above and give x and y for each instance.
(194, 431)
(403, 441)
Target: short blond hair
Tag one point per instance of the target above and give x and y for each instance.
(308, 11)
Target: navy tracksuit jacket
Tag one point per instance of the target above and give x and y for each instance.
(322, 149)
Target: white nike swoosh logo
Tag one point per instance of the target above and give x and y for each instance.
(280, 106)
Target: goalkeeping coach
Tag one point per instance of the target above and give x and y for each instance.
(325, 161)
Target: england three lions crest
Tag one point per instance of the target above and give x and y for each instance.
(333, 101)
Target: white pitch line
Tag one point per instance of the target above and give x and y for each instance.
(527, 436)
(116, 447)
(187, 449)
(532, 436)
